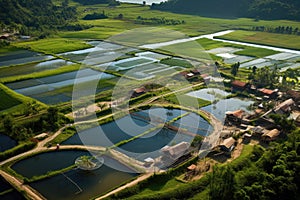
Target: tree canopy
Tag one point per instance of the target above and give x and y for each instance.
(261, 9)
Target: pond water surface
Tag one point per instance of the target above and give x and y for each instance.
(42, 163)
(21, 57)
(44, 89)
(220, 105)
(6, 143)
(132, 125)
(81, 185)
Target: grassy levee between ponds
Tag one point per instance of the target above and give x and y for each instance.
(53, 45)
(22, 147)
(6, 192)
(63, 136)
(264, 38)
(209, 44)
(61, 70)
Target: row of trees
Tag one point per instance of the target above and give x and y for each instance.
(272, 77)
(279, 29)
(158, 20)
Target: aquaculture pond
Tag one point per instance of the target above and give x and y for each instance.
(136, 124)
(33, 67)
(220, 104)
(21, 57)
(6, 143)
(102, 52)
(51, 161)
(54, 89)
(7, 192)
(81, 185)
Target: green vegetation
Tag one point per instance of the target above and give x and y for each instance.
(33, 16)
(22, 147)
(7, 101)
(266, 9)
(208, 44)
(272, 39)
(176, 62)
(66, 134)
(187, 101)
(41, 74)
(53, 45)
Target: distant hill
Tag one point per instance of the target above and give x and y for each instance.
(262, 9)
(35, 14)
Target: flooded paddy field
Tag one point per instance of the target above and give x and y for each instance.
(33, 67)
(21, 57)
(57, 88)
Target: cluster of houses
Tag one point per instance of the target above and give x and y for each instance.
(265, 129)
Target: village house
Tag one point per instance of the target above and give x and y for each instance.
(295, 95)
(285, 107)
(235, 117)
(267, 93)
(228, 144)
(258, 131)
(138, 92)
(176, 151)
(237, 85)
(271, 135)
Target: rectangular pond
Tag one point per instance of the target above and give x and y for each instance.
(81, 185)
(49, 89)
(40, 164)
(21, 57)
(33, 67)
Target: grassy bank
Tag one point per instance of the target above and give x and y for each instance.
(272, 39)
(61, 70)
(53, 45)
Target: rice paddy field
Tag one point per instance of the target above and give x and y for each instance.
(57, 88)
(272, 39)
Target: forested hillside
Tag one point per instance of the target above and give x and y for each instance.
(35, 14)
(260, 9)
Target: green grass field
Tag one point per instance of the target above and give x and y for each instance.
(187, 101)
(41, 74)
(208, 44)
(7, 101)
(176, 62)
(272, 39)
(53, 45)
